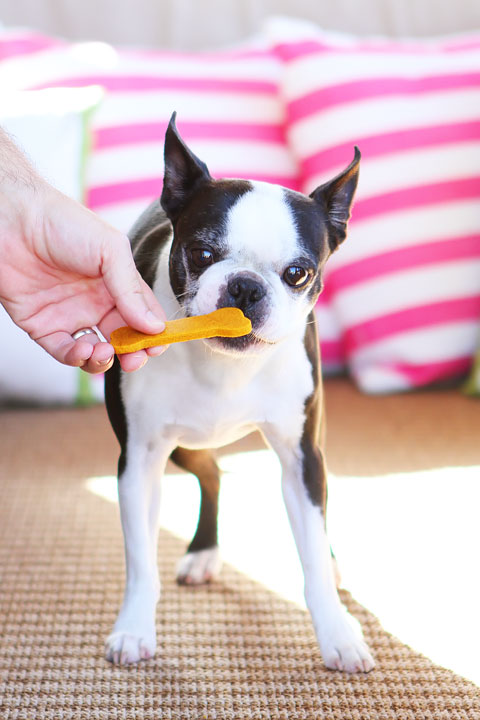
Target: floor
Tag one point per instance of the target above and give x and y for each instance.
(403, 515)
(403, 507)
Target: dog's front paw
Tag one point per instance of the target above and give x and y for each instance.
(198, 568)
(343, 647)
(123, 648)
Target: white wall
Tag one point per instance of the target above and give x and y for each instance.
(193, 24)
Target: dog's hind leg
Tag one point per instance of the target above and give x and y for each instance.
(202, 560)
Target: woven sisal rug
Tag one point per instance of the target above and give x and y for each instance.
(232, 650)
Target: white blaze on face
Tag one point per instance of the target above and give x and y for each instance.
(261, 228)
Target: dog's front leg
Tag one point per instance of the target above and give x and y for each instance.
(134, 637)
(304, 491)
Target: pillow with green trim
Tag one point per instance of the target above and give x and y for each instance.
(472, 383)
(51, 127)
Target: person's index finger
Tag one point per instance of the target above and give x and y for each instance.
(134, 299)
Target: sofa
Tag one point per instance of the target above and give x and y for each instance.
(282, 91)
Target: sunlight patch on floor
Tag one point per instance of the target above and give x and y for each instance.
(254, 533)
(406, 545)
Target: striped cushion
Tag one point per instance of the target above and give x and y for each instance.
(228, 107)
(405, 287)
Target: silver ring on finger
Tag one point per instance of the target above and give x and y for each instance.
(84, 331)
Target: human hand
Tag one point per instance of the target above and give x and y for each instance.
(62, 268)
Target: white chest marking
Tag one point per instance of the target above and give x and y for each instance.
(193, 397)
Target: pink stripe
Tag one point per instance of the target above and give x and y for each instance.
(463, 44)
(448, 311)
(145, 189)
(394, 261)
(26, 45)
(324, 98)
(332, 354)
(149, 188)
(143, 83)
(420, 196)
(421, 375)
(391, 143)
(137, 133)
(295, 50)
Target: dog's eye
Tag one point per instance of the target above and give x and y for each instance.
(296, 276)
(202, 257)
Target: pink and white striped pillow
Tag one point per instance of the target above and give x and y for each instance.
(228, 106)
(405, 287)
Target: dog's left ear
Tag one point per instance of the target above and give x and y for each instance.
(336, 197)
(184, 172)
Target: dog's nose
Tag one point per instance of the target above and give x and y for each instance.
(245, 291)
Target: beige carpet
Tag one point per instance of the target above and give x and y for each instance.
(233, 650)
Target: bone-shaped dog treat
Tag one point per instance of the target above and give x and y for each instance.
(225, 322)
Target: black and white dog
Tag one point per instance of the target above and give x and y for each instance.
(261, 248)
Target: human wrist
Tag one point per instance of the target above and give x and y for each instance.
(17, 176)
(22, 190)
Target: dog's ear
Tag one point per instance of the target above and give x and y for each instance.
(184, 172)
(336, 197)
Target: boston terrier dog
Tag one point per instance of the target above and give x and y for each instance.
(261, 248)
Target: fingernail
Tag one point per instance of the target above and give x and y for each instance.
(142, 356)
(106, 362)
(155, 351)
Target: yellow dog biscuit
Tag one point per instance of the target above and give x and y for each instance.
(225, 322)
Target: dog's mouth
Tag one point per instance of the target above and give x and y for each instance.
(243, 341)
(253, 342)
(261, 340)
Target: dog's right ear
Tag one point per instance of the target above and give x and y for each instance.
(336, 197)
(184, 172)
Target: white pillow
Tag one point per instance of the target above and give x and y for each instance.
(51, 127)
